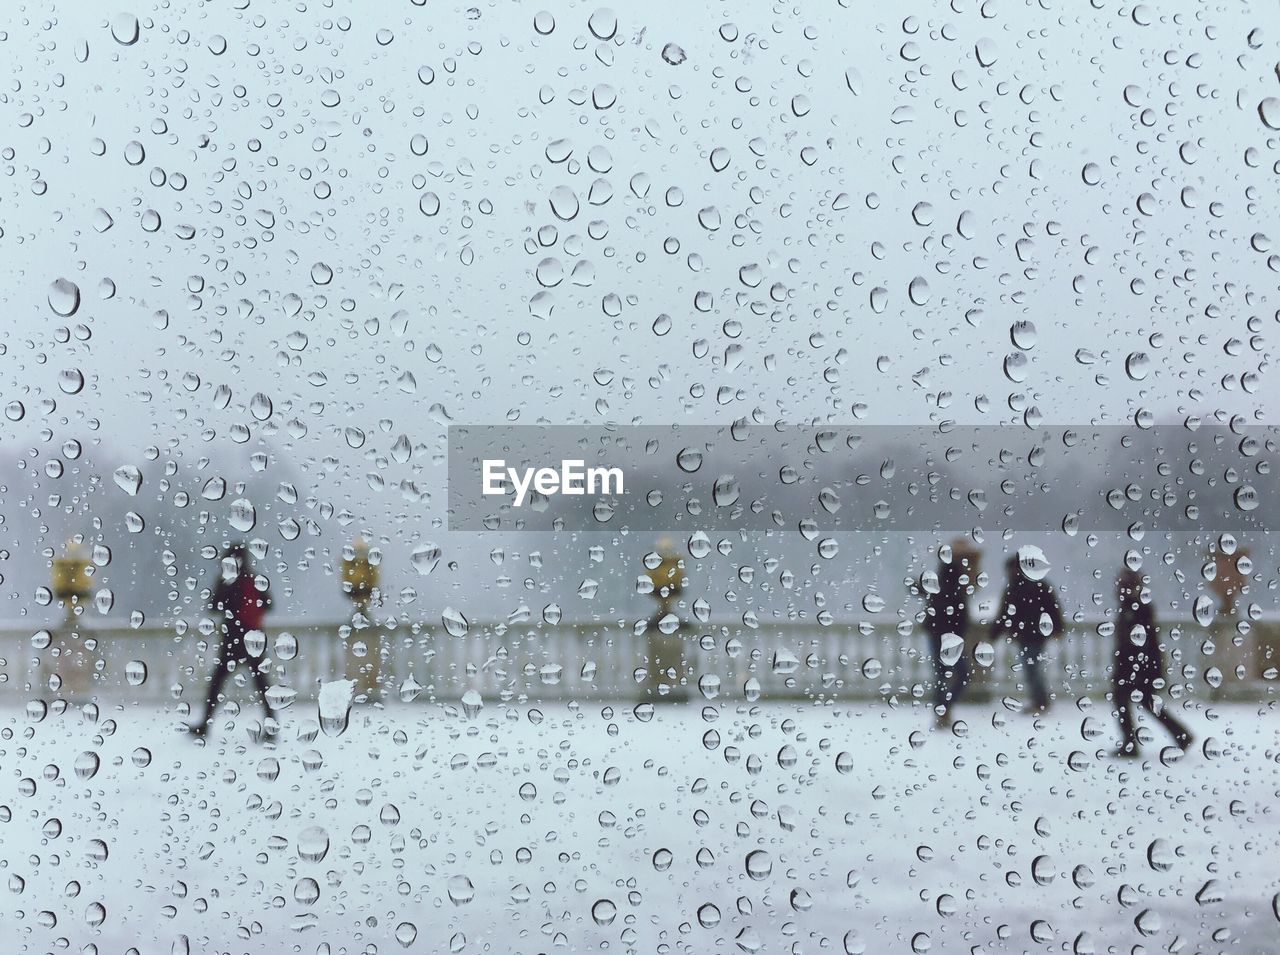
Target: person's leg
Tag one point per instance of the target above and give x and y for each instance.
(1124, 713)
(1181, 735)
(1031, 655)
(1039, 692)
(261, 684)
(215, 688)
(961, 678)
(940, 695)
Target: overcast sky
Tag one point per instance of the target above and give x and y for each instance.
(380, 219)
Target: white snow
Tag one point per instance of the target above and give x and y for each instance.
(870, 821)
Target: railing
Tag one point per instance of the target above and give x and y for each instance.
(797, 660)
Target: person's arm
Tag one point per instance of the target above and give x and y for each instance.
(219, 597)
(1055, 611)
(930, 604)
(222, 604)
(1003, 622)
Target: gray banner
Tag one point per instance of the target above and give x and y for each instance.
(1073, 479)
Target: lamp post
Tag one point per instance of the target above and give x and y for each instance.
(71, 585)
(360, 584)
(1229, 580)
(666, 666)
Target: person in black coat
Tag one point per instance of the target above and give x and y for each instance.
(946, 612)
(1139, 664)
(1030, 613)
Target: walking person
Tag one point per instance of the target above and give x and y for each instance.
(1030, 613)
(947, 624)
(1138, 665)
(238, 606)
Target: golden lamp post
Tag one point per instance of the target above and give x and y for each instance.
(72, 582)
(360, 585)
(667, 669)
(1230, 649)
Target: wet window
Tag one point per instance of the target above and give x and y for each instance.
(674, 478)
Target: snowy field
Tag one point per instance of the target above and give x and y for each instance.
(768, 828)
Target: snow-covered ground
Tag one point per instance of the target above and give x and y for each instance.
(739, 827)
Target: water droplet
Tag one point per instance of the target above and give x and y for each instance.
(1269, 112)
(409, 689)
(242, 515)
(1246, 497)
(460, 890)
(1032, 562)
(725, 492)
(407, 932)
(952, 646)
(334, 705)
(286, 646)
(603, 24)
(313, 844)
(86, 765)
(70, 381)
(64, 297)
(1023, 334)
(472, 704)
(125, 29)
(759, 865)
(425, 558)
(1202, 609)
(255, 642)
(454, 622)
(128, 478)
(604, 912)
(306, 891)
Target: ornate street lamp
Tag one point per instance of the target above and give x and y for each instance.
(360, 585)
(1230, 628)
(72, 582)
(666, 669)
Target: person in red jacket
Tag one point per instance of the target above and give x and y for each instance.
(238, 607)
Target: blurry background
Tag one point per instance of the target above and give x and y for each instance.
(258, 257)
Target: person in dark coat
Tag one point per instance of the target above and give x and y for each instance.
(1030, 613)
(947, 616)
(238, 606)
(1139, 664)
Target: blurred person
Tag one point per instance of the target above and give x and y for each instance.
(947, 616)
(1139, 664)
(1030, 613)
(238, 607)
